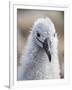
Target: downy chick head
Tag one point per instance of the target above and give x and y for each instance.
(44, 35)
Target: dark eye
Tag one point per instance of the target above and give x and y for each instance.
(38, 34)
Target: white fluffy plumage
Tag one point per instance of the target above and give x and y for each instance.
(35, 62)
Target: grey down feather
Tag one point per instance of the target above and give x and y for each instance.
(40, 58)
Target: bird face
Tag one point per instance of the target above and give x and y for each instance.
(44, 34)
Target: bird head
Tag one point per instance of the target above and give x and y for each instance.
(44, 35)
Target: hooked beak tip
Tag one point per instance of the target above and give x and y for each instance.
(49, 55)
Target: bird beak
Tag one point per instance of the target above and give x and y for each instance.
(46, 48)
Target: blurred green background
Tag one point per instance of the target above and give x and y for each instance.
(25, 20)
